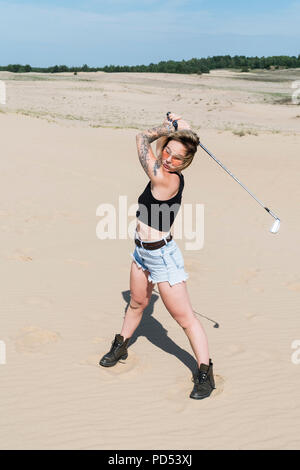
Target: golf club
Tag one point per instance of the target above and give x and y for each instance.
(276, 224)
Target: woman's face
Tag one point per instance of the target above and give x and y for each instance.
(172, 155)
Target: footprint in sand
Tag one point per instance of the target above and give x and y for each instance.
(127, 368)
(295, 286)
(234, 349)
(34, 339)
(252, 316)
(247, 276)
(20, 256)
(220, 383)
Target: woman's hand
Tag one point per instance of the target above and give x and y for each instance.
(181, 123)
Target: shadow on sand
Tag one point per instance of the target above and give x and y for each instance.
(153, 330)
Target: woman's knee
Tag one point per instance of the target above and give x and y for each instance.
(186, 320)
(138, 303)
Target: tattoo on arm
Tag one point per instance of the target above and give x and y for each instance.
(143, 141)
(157, 132)
(156, 167)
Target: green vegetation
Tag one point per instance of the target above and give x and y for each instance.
(198, 66)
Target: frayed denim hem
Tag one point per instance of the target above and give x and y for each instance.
(184, 276)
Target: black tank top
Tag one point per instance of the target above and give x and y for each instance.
(156, 213)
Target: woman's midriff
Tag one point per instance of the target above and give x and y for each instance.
(149, 234)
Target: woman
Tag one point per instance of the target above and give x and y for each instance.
(157, 258)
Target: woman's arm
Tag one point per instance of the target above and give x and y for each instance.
(147, 158)
(149, 162)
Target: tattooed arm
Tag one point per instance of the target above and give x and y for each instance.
(148, 160)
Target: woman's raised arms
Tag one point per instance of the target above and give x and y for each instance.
(149, 162)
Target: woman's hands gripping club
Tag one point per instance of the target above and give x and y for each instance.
(177, 121)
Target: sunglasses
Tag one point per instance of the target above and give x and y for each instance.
(175, 159)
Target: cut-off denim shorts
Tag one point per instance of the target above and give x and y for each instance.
(164, 264)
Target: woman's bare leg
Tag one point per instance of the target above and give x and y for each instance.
(177, 302)
(140, 292)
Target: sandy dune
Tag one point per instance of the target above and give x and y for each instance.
(67, 146)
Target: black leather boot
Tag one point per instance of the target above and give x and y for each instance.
(204, 382)
(117, 351)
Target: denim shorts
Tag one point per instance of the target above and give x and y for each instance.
(164, 264)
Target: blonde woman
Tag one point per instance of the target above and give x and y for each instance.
(157, 259)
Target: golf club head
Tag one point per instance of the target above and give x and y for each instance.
(275, 226)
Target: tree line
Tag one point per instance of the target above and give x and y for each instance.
(198, 66)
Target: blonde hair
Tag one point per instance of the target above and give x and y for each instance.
(186, 137)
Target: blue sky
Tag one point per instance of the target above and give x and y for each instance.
(98, 32)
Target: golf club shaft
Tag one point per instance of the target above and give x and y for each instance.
(277, 220)
(234, 177)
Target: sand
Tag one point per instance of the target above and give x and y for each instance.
(68, 146)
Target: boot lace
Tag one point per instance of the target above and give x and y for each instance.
(200, 378)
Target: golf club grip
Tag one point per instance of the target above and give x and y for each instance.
(175, 123)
